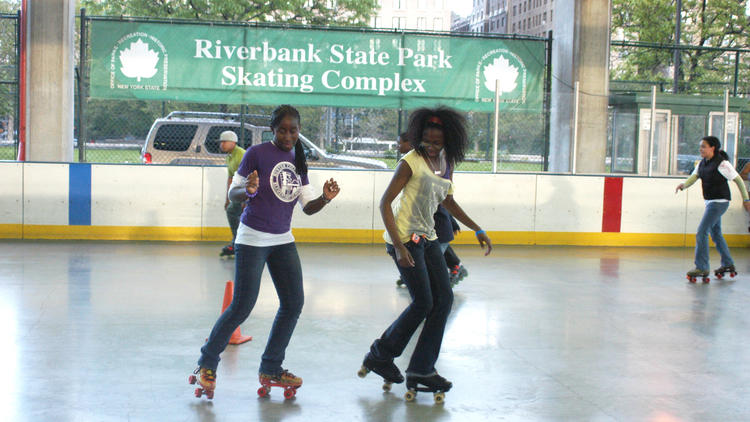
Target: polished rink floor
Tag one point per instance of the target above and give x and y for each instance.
(106, 331)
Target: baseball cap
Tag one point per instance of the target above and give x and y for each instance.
(228, 136)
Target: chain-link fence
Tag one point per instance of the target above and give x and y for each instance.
(129, 131)
(8, 87)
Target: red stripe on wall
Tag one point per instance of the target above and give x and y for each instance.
(612, 205)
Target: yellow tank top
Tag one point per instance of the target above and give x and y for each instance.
(414, 209)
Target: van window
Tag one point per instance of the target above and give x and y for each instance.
(212, 139)
(172, 137)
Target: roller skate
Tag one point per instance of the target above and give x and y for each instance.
(206, 379)
(386, 369)
(458, 273)
(719, 272)
(227, 252)
(286, 380)
(400, 282)
(429, 383)
(693, 275)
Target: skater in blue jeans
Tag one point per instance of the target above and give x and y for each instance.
(715, 171)
(273, 178)
(424, 179)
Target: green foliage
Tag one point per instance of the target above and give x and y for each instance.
(715, 23)
(309, 12)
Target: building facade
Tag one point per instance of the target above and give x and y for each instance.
(525, 17)
(530, 17)
(419, 15)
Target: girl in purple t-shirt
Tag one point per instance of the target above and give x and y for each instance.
(273, 176)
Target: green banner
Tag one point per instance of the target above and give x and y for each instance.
(317, 67)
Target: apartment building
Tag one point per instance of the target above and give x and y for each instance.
(420, 15)
(530, 17)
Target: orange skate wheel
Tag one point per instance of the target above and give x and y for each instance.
(192, 379)
(263, 391)
(410, 395)
(210, 394)
(198, 392)
(289, 393)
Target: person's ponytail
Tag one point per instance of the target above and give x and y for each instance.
(300, 161)
(723, 155)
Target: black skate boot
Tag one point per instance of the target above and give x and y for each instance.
(386, 369)
(227, 251)
(719, 272)
(429, 383)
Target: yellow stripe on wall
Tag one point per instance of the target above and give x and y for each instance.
(11, 231)
(222, 234)
(112, 233)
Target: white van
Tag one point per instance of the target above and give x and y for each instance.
(192, 138)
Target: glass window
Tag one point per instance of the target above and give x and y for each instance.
(173, 137)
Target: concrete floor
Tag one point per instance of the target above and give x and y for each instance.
(100, 331)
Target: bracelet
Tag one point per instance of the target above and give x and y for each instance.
(478, 232)
(250, 195)
(325, 200)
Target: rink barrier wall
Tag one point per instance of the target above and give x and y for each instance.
(168, 203)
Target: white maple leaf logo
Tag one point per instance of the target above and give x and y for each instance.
(138, 61)
(500, 70)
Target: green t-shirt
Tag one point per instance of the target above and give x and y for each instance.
(234, 159)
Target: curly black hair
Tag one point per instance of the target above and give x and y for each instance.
(284, 110)
(449, 121)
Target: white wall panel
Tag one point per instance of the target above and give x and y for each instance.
(137, 195)
(651, 206)
(382, 179)
(214, 197)
(11, 193)
(569, 203)
(497, 202)
(351, 209)
(45, 187)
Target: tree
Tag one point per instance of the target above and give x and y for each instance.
(718, 23)
(308, 12)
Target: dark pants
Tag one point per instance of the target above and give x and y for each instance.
(286, 273)
(234, 211)
(451, 259)
(432, 298)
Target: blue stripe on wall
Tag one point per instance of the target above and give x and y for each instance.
(79, 194)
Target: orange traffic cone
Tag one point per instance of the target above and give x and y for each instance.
(237, 337)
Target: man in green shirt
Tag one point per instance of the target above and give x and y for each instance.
(234, 153)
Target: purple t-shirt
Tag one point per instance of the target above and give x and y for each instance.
(270, 210)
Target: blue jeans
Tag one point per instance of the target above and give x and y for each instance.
(711, 223)
(286, 273)
(432, 298)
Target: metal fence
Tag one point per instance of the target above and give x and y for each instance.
(117, 131)
(8, 87)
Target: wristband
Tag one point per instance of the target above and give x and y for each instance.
(250, 195)
(325, 200)
(478, 232)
